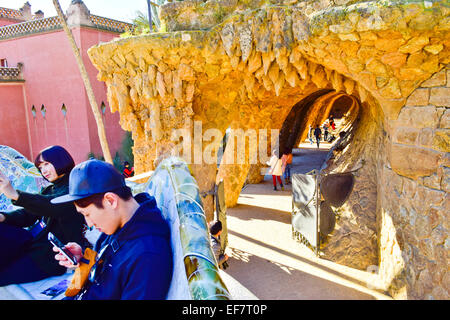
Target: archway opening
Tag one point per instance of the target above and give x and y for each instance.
(334, 113)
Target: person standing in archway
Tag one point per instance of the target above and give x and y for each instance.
(310, 134)
(275, 170)
(286, 161)
(325, 131)
(331, 121)
(317, 134)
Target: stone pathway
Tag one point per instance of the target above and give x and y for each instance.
(267, 263)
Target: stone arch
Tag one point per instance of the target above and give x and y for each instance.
(255, 65)
(340, 106)
(314, 110)
(296, 120)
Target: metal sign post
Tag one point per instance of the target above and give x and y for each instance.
(313, 219)
(305, 209)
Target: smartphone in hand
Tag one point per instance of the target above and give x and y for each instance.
(53, 240)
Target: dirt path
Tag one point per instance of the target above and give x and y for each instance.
(267, 263)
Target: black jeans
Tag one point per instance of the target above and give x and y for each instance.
(15, 265)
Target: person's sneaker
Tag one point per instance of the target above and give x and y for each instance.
(274, 188)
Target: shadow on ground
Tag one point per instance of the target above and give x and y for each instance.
(266, 282)
(262, 213)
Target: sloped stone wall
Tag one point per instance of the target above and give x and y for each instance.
(354, 242)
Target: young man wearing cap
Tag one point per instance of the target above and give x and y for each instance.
(134, 256)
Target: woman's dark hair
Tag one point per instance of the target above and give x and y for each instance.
(58, 157)
(124, 193)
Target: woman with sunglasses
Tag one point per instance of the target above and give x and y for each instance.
(25, 253)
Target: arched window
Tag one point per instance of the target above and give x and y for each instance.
(43, 110)
(103, 107)
(33, 111)
(64, 110)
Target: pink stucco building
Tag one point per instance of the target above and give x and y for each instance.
(43, 100)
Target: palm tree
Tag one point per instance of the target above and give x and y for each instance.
(141, 23)
(87, 85)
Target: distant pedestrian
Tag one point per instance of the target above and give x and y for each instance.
(276, 170)
(215, 230)
(310, 134)
(318, 135)
(128, 171)
(325, 131)
(221, 212)
(286, 161)
(331, 121)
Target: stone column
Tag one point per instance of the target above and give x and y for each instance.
(233, 177)
(205, 175)
(235, 164)
(238, 159)
(256, 173)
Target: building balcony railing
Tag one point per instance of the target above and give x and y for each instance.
(53, 23)
(10, 14)
(11, 74)
(29, 27)
(110, 24)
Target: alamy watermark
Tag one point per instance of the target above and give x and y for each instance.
(242, 146)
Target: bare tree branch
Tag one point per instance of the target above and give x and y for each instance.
(87, 85)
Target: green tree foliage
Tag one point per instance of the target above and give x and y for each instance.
(127, 148)
(141, 20)
(124, 154)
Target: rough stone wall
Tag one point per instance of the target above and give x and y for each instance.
(250, 70)
(354, 240)
(203, 15)
(414, 199)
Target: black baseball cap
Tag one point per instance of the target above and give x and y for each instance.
(91, 177)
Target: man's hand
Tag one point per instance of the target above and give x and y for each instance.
(2, 217)
(75, 249)
(6, 188)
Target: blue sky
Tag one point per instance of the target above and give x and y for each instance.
(123, 10)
